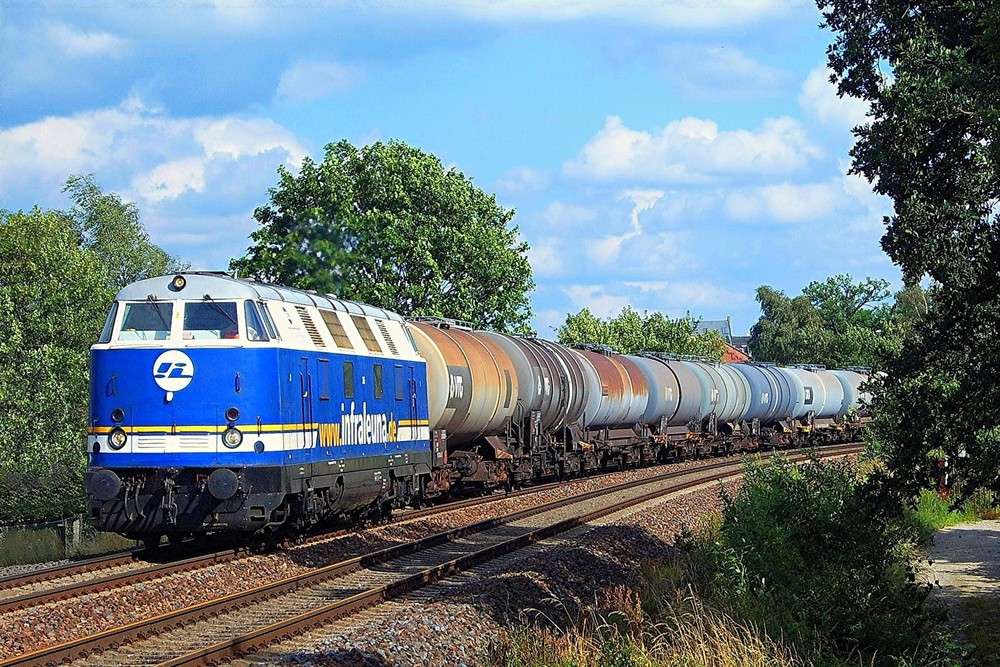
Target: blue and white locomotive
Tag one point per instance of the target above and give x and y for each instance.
(220, 405)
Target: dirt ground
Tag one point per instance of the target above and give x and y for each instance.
(965, 566)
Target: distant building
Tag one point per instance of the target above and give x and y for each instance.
(737, 347)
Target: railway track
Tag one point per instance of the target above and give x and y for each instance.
(109, 571)
(259, 616)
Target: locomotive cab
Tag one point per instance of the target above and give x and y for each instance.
(223, 405)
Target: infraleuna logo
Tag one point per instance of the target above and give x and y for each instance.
(173, 370)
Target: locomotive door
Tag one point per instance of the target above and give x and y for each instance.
(307, 434)
(413, 404)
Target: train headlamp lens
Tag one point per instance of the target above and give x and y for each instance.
(232, 414)
(117, 415)
(178, 283)
(232, 438)
(117, 439)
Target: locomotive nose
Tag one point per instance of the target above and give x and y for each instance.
(105, 485)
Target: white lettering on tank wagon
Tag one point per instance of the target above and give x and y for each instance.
(456, 387)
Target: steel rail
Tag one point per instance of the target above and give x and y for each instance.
(250, 642)
(121, 579)
(143, 629)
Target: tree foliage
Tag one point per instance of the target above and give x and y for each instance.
(631, 332)
(388, 225)
(110, 229)
(837, 323)
(58, 275)
(52, 301)
(930, 72)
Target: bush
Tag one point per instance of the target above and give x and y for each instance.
(813, 556)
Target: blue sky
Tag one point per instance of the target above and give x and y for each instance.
(671, 155)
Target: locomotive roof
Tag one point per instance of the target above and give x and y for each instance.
(223, 286)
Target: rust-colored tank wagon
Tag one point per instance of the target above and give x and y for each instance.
(639, 397)
(543, 381)
(664, 391)
(475, 381)
(621, 395)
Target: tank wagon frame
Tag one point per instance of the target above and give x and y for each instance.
(226, 405)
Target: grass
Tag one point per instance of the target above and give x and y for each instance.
(683, 632)
(22, 546)
(981, 615)
(932, 513)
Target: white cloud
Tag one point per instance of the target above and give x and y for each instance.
(672, 13)
(524, 180)
(606, 250)
(692, 150)
(688, 295)
(170, 180)
(819, 99)
(647, 285)
(721, 72)
(161, 156)
(785, 202)
(594, 297)
(308, 81)
(545, 257)
(565, 216)
(77, 44)
(669, 13)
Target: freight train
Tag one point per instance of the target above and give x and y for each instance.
(220, 404)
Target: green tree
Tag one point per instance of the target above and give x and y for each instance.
(789, 331)
(53, 300)
(59, 272)
(837, 323)
(631, 332)
(388, 225)
(111, 230)
(930, 72)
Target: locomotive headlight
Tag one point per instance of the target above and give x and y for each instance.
(178, 283)
(232, 414)
(117, 438)
(117, 415)
(232, 438)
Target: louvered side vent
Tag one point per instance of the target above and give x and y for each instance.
(388, 338)
(310, 326)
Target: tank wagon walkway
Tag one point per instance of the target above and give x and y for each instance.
(965, 563)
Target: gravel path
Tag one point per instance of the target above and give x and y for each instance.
(455, 622)
(965, 566)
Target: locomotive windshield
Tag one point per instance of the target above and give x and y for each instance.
(146, 321)
(210, 319)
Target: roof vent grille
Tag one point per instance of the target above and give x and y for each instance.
(310, 326)
(388, 339)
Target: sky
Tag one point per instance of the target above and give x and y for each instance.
(671, 155)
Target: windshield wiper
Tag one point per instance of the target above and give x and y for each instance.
(217, 307)
(159, 313)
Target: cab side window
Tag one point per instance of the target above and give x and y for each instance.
(255, 325)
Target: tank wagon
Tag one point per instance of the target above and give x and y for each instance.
(220, 404)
